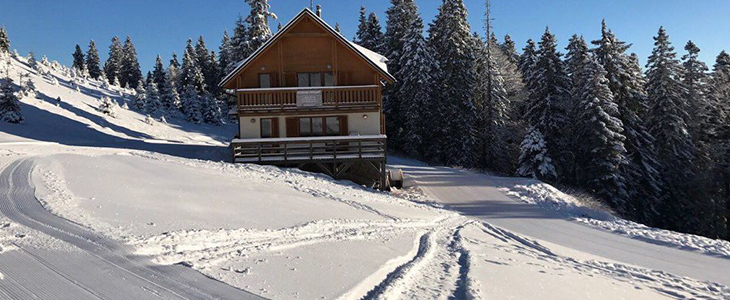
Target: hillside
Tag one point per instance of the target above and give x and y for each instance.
(162, 191)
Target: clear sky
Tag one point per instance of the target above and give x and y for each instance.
(52, 28)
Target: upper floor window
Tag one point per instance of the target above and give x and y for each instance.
(315, 79)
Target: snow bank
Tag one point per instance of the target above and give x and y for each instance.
(546, 196)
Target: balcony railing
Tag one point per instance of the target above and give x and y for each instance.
(332, 97)
(309, 149)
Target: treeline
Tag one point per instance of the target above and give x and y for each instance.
(652, 143)
(188, 89)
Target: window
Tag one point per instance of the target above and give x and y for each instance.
(265, 80)
(305, 126)
(269, 127)
(333, 125)
(315, 79)
(319, 126)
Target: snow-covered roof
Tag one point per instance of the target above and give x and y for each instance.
(377, 61)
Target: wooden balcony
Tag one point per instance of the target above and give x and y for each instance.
(252, 101)
(324, 149)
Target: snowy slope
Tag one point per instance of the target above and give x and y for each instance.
(283, 233)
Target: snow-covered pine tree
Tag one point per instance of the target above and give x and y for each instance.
(720, 82)
(240, 46)
(576, 61)
(706, 124)
(626, 81)
(667, 120)
(534, 159)
(158, 74)
(4, 41)
(258, 24)
(107, 107)
(9, 102)
(173, 71)
(79, 63)
(113, 65)
(153, 103)
(362, 28)
(92, 61)
(202, 60)
(140, 96)
(668, 111)
(415, 93)
(337, 27)
(509, 48)
(375, 34)
(211, 110)
(213, 74)
(130, 73)
(191, 73)
(548, 101)
(491, 101)
(528, 59)
(455, 136)
(600, 143)
(170, 97)
(224, 52)
(191, 104)
(32, 62)
(401, 16)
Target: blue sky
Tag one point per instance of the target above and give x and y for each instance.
(52, 28)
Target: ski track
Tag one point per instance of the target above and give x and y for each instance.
(103, 269)
(661, 282)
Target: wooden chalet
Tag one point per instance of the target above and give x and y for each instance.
(312, 99)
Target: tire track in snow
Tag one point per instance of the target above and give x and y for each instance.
(203, 246)
(439, 270)
(104, 266)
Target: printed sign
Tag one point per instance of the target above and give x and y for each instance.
(309, 98)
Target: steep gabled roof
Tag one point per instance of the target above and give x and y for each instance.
(375, 60)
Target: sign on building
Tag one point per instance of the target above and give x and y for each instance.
(309, 98)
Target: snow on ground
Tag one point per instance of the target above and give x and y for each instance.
(544, 195)
(77, 119)
(284, 233)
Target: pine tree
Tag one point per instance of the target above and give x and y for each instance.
(158, 73)
(509, 49)
(455, 135)
(375, 33)
(695, 79)
(415, 93)
(191, 73)
(240, 46)
(258, 24)
(4, 41)
(92, 61)
(601, 149)
(106, 106)
(528, 60)
(549, 97)
(211, 110)
(224, 52)
(667, 119)
(32, 62)
(113, 65)
(401, 16)
(140, 98)
(491, 101)
(170, 97)
(79, 63)
(153, 104)
(362, 33)
(202, 58)
(213, 74)
(173, 71)
(534, 159)
(191, 104)
(130, 73)
(9, 102)
(645, 185)
(337, 27)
